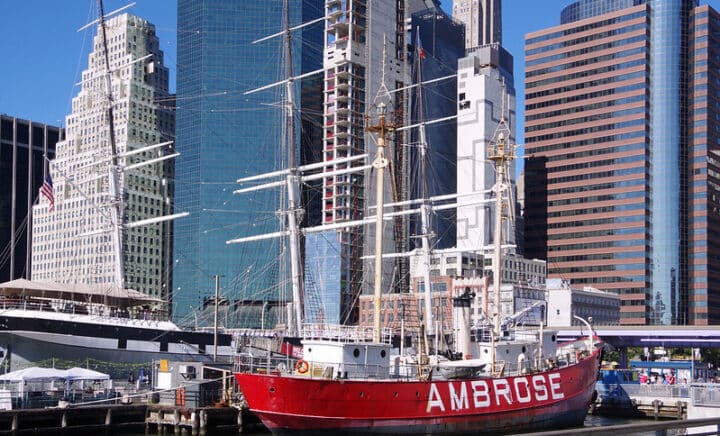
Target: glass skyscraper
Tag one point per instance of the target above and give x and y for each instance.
(621, 131)
(224, 134)
(25, 148)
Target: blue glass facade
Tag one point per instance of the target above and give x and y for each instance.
(668, 60)
(443, 41)
(592, 8)
(324, 279)
(223, 134)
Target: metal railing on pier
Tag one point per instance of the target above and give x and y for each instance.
(705, 394)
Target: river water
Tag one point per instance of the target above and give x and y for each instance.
(591, 421)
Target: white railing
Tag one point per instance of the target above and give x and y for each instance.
(705, 394)
(343, 333)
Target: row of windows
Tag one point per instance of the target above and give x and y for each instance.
(594, 129)
(598, 140)
(629, 231)
(603, 256)
(599, 175)
(594, 48)
(589, 164)
(639, 182)
(586, 84)
(603, 92)
(588, 119)
(638, 244)
(614, 68)
(600, 282)
(587, 61)
(598, 221)
(590, 26)
(614, 102)
(579, 110)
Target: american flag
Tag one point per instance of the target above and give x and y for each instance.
(420, 50)
(48, 192)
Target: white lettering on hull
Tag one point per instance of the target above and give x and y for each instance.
(478, 394)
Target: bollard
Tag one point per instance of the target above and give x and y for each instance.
(203, 422)
(680, 409)
(176, 420)
(656, 408)
(195, 423)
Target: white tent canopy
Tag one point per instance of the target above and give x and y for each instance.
(77, 373)
(36, 374)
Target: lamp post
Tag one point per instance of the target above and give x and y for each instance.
(215, 324)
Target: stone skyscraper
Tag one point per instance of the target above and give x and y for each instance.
(74, 242)
(482, 19)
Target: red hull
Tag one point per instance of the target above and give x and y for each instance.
(297, 404)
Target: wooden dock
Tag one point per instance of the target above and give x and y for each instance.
(206, 420)
(71, 420)
(111, 419)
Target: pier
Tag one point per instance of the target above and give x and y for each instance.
(148, 418)
(635, 400)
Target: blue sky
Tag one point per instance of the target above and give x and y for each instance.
(42, 53)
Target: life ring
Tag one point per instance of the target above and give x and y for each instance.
(302, 366)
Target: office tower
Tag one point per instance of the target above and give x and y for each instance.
(620, 143)
(482, 19)
(703, 132)
(224, 134)
(358, 35)
(73, 241)
(25, 147)
(485, 95)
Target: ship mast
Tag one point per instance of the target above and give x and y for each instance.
(425, 204)
(114, 173)
(382, 128)
(292, 178)
(501, 153)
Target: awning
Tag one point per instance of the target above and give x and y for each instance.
(96, 293)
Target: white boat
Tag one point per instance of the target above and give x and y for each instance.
(42, 322)
(81, 310)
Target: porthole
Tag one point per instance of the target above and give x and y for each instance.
(383, 353)
(523, 348)
(356, 352)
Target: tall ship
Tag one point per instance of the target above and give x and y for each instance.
(45, 323)
(102, 232)
(504, 378)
